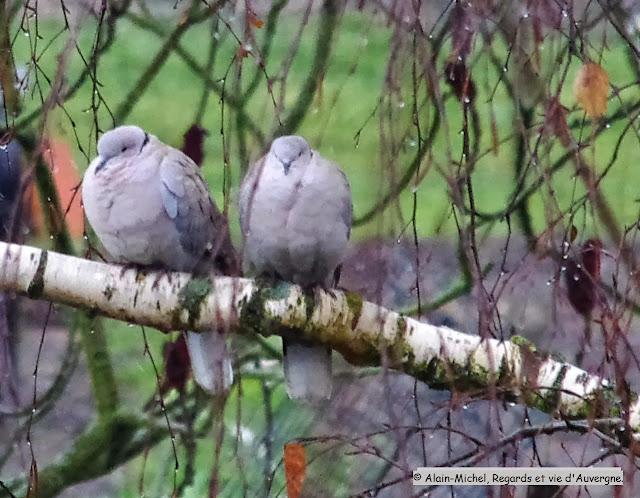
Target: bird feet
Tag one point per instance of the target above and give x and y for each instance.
(158, 270)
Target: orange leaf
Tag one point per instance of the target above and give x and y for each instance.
(590, 87)
(294, 468)
(254, 20)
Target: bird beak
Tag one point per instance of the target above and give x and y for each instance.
(286, 167)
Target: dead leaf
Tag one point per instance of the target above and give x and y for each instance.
(32, 484)
(242, 52)
(459, 79)
(193, 144)
(582, 278)
(547, 13)
(591, 86)
(176, 363)
(255, 21)
(573, 233)
(294, 468)
(462, 30)
(580, 288)
(555, 120)
(590, 253)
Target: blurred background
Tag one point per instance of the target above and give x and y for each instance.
(492, 151)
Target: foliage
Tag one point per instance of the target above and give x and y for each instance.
(476, 121)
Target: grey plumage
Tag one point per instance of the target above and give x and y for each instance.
(10, 158)
(149, 204)
(295, 214)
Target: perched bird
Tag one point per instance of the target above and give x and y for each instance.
(149, 205)
(295, 214)
(10, 158)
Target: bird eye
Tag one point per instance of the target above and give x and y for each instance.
(123, 149)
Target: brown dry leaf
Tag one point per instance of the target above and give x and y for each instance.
(591, 86)
(582, 278)
(591, 250)
(555, 119)
(241, 52)
(573, 233)
(461, 30)
(193, 144)
(581, 290)
(543, 14)
(458, 77)
(294, 468)
(32, 484)
(177, 364)
(255, 21)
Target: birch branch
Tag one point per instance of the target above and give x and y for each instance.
(363, 332)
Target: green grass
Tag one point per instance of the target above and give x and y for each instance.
(170, 103)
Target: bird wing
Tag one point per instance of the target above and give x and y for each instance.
(187, 202)
(337, 188)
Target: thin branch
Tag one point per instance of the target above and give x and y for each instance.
(101, 374)
(202, 73)
(115, 13)
(326, 31)
(409, 174)
(154, 67)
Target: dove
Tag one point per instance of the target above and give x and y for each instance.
(11, 155)
(295, 214)
(149, 205)
(10, 158)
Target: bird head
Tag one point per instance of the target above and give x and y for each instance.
(121, 142)
(290, 151)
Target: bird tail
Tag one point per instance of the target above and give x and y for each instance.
(307, 371)
(210, 361)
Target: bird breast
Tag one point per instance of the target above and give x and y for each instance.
(125, 210)
(294, 230)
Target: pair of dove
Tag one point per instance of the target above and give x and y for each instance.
(149, 204)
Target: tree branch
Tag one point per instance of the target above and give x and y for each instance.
(200, 71)
(96, 452)
(194, 16)
(103, 384)
(326, 31)
(7, 69)
(363, 332)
